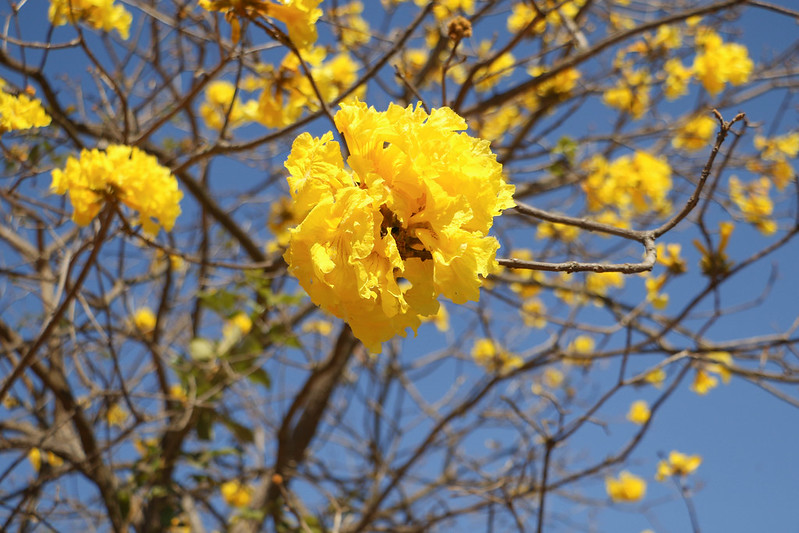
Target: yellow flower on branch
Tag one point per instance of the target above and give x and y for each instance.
(677, 78)
(754, 202)
(626, 488)
(714, 363)
(715, 262)
(718, 63)
(415, 204)
(235, 494)
(639, 412)
(493, 357)
(299, 16)
(695, 134)
(99, 14)
(123, 173)
(631, 93)
(144, 319)
(20, 112)
(678, 464)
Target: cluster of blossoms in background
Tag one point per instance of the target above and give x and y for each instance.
(129, 175)
(20, 112)
(376, 245)
(99, 14)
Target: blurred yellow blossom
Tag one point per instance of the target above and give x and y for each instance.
(654, 284)
(178, 392)
(712, 363)
(639, 183)
(755, 203)
(144, 319)
(99, 14)
(668, 255)
(583, 348)
(115, 415)
(534, 313)
(717, 62)
(299, 16)
(626, 488)
(678, 464)
(715, 262)
(494, 358)
(639, 412)
(695, 134)
(776, 148)
(222, 105)
(322, 327)
(129, 175)
(36, 458)
(677, 78)
(20, 112)
(416, 205)
(235, 494)
(656, 377)
(631, 93)
(563, 232)
(353, 27)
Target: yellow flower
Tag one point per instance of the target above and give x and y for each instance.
(677, 78)
(242, 321)
(235, 494)
(221, 104)
(714, 363)
(678, 464)
(639, 412)
(144, 319)
(656, 377)
(669, 256)
(20, 112)
(718, 63)
(778, 148)
(631, 93)
(715, 262)
(695, 134)
(627, 488)
(582, 346)
(639, 183)
(552, 378)
(177, 392)
(99, 14)
(534, 313)
(115, 415)
(416, 205)
(653, 294)
(494, 358)
(130, 175)
(35, 457)
(551, 230)
(440, 319)
(353, 27)
(299, 16)
(322, 327)
(754, 202)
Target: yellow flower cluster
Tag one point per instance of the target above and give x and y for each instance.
(632, 184)
(235, 494)
(631, 93)
(99, 14)
(36, 458)
(299, 16)
(379, 243)
(718, 62)
(754, 202)
(285, 91)
(678, 464)
(494, 358)
(695, 134)
(353, 27)
(716, 363)
(20, 112)
(125, 173)
(774, 155)
(627, 488)
(715, 262)
(523, 14)
(639, 412)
